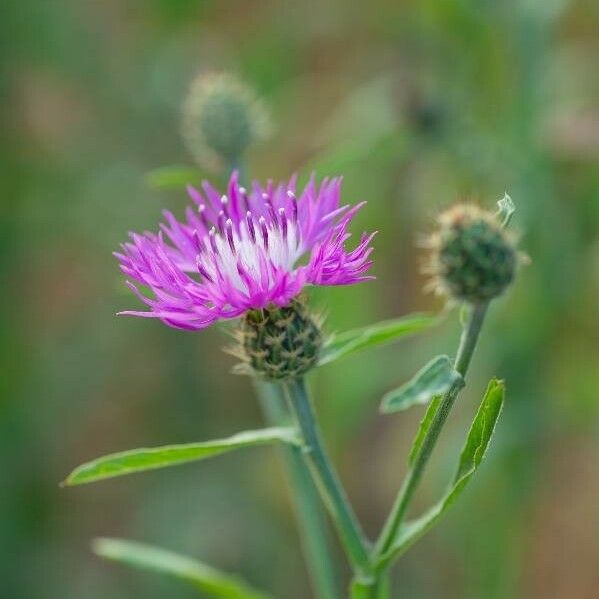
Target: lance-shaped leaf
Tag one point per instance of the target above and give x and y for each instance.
(437, 377)
(472, 455)
(138, 460)
(204, 578)
(348, 342)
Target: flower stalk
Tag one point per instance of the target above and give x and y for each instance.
(306, 500)
(312, 525)
(335, 497)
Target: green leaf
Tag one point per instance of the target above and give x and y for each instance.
(435, 378)
(425, 424)
(472, 455)
(506, 209)
(173, 177)
(481, 429)
(139, 460)
(348, 342)
(199, 575)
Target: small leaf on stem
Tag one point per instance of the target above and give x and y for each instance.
(348, 342)
(481, 429)
(472, 455)
(435, 378)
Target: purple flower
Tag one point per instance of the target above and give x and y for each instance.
(244, 250)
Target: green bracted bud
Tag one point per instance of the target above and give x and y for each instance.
(473, 258)
(221, 118)
(278, 343)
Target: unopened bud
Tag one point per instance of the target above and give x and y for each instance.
(473, 259)
(221, 118)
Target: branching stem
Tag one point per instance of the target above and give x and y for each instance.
(468, 342)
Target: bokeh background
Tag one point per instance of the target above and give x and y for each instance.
(416, 104)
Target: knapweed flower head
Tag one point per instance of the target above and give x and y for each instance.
(221, 118)
(243, 251)
(473, 258)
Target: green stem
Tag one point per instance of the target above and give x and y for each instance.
(308, 510)
(376, 587)
(468, 341)
(347, 524)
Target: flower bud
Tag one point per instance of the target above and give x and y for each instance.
(473, 259)
(278, 343)
(221, 118)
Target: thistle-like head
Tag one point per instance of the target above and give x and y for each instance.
(473, 258)
(221, 118)
(244, 251)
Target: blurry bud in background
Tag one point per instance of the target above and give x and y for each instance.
(221, 118)
(473, 258)
(278, 343)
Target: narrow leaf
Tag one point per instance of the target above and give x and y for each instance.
(348, 342)
(199, 575)
(481, 429)
(506, 209)
(472, 455)
(425, 424)
(435, 378)
(138, 460)
(173, 177)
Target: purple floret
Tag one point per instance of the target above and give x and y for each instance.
(243, 251)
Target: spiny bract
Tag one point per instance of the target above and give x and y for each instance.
(278, 343)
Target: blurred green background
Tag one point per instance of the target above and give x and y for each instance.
(416, 104)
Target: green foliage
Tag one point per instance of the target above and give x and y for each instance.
(140, 460)
(435, 378)
(472, 455)
(349, 342)
(481, 430)
(174, 176)
(201, 576)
